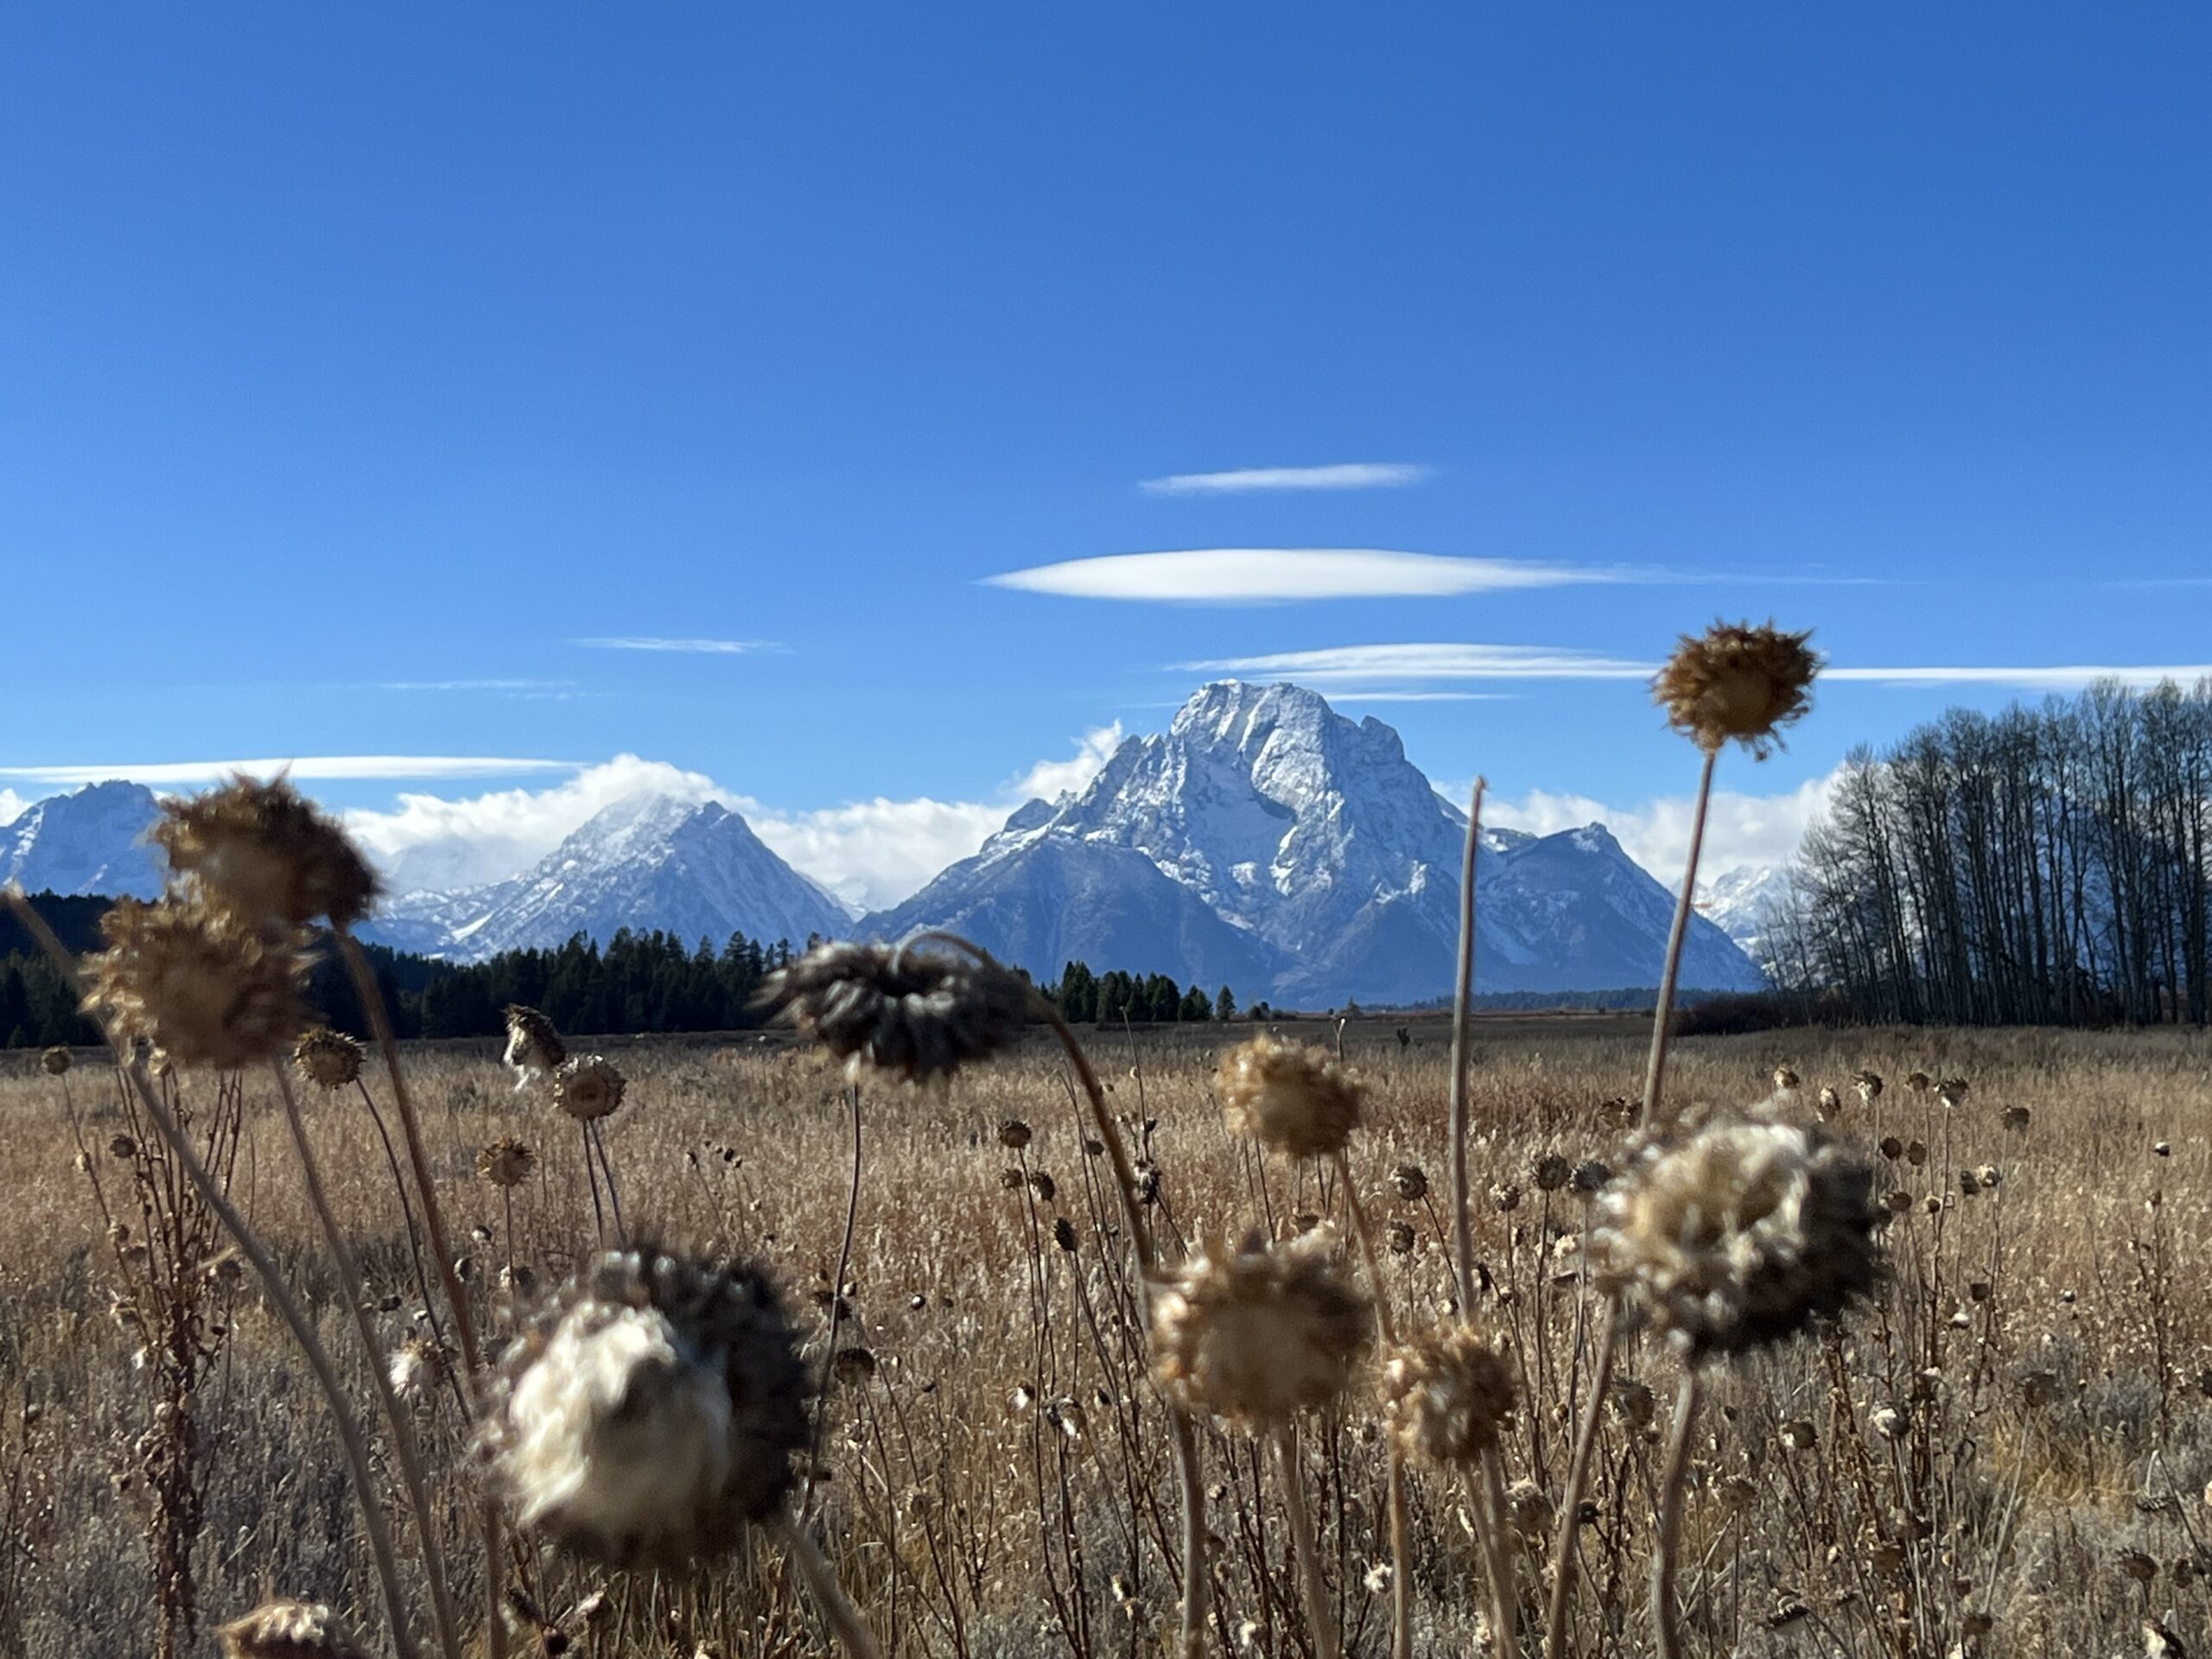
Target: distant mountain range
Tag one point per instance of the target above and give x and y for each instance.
(1263, 840)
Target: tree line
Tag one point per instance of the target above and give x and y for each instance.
(2045, 865)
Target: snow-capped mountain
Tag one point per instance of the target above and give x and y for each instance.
(1324, 851)
(645, 862)
(91, 841)
(1736, 903)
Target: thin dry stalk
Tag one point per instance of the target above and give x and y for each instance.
(1320, 1617)
(1666, 1612)
(1463, 1237)
(1662, 1016)
(1401, 1590)
(836, 1608)
(1578, 1480)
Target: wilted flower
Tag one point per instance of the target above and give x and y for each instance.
(533, 1045)
(1528, 1509)
(1785, 1078)
(1952, 1090)
(1064, 1233)
(1830, 1103)
(1445, 1395)
(1918, 1082)
(1590, 1177)
(1737, 681)
(588, 1088)
(56, 1061)
(1737, 1233)
(2017, 1118)
(1410, 1182)
(1631, 1403)
(1506, 1195)
(505, 1162)
(202, 987)
(1400, 1238)
(649, 1409)
(289, 1630)
(1258, 1334)
(266, 853)
(1552, 1172)
(329, 1059)
(1013, 1135)
(1296, 1099)
(916, 1013)
(417, 1365)
(1869, 1085)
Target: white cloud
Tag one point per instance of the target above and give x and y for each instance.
(710, 647)
(1742, 832)
(303, 768)
(12, 805)
(870, 853)
(1344, 475)
(2063, 677)
(528, 690)
(1340, 664)
(1254, 575)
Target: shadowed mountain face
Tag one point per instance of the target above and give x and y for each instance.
(1313, 839)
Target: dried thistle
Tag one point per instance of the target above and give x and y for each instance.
(1445, 1394)
(1410, 1182)
(1736, 682)
(289, 1630)
(56, 1061)
(1295, 1099)
(202, 987)
(533, 1046)
(327, 1058)
(649, 1410)
(916, 1013)
(1258, 1334)
(268, 854)
(1738, 1233)
(588, 1088)
(505, 1162)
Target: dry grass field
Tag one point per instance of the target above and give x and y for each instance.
(2005, 1452)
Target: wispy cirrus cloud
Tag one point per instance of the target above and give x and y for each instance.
(1365, 665)
(697, 647)
(1260, 574)
(1341, 475)
(528, 690)
(303, 768)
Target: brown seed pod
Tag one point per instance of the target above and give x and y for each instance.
(505, 1162)
(1410, 1182)
(588, 1088)
(1256, 1335)
(289, 1630)
(1737, 682)
(913, 1011)
(1296, 1099)
(267, 854)
(56, 1061)
(203, 987)
(1446, 1396)
(327, 1058)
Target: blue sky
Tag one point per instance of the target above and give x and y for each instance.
(362, 364)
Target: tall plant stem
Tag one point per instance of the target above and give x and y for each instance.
(836, 1306)
(273, 1285)
(403, 1434)
(838, 1610)
(1505, 1614)
(1666, 1617)
(1463, 996)
(1321, 1618)
(1183, 1437)
(1402, 1589)
(1578, 1477)
(1663, 1016)
(372, 1001)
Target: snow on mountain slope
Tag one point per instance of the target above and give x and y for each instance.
(1315, 836)
(91, 841)
(1736, 903)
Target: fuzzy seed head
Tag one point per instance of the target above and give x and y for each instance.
(1736, 1233)
(1736, 682)
(329, 1059)
(1295, 1099)
(56, 1061)
(533, 1046)
(588, 1088)
(289, 1630)
(267, 853)
(505, 1162)
(1445, 1394)
(648, 1411)
(204, 987)
(1258, 1334)
(1410, 1182)
(916, 1013)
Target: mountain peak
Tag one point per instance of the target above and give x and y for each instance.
(90, 841)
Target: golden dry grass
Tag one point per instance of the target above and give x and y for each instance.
(1000, 1483)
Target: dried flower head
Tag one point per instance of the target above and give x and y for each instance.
(1736, 1232)
(588, 1088)
(1258, 1334)
(1410, 1182)
(1736, 682)
(505, 1162)
(1785, 1078)
(1445, 1394)
(327, 1058)
(1013, 1133)
(533, 1046)
(649, 1409)
(200, 985)
(289, 1630)
(1552, 1172)
(1294, 1098)
(916, 1013)
(419, 1365)
(56, 1061)
(268, 853)
(2016, 1118)
(1869, 1084)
